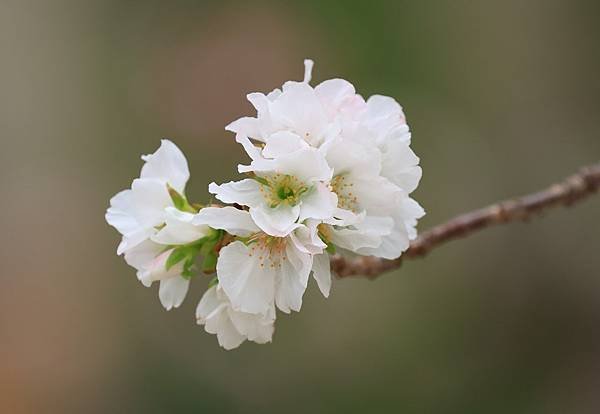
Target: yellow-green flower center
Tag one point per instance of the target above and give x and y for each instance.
(269, 250)
(347, 199)
(280, 189)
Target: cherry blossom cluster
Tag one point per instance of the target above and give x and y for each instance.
(328, 173)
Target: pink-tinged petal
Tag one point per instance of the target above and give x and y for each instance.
(333, 93)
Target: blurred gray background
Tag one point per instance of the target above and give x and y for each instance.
(503, 98)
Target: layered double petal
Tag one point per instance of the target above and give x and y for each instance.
(232, 327)
(136, 212)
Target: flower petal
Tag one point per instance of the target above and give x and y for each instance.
(308, 165)
(172, 291)
(249, 286)
(247, 126)
(179, 228)
(322, 273)
(277, 221)
(245, 192)
(292, 278)
(232, 220)
(400, 165)
(167, 164)
(333, 92)
(212, 313)
(283, 142)
(319, 203)
(256, 328)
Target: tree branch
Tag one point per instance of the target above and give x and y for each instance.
(566, 193)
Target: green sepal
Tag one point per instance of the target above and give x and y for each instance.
(261, 180)
(179, 201)
(187, 253)
(189, 269)
(176, 256)
(213, 282)
(330, 248)
(209, 263)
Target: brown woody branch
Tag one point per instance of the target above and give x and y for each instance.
(566, 193)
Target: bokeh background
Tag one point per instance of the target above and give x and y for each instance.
(503, 98)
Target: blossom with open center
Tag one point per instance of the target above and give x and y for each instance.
(289, 185)
(258, 270)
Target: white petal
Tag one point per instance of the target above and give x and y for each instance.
(351, 157)
(380, 106)
(319, 203)
(227, 335)
(234, 221)
(245, 126)
(283, 142)
(167, 164)
(209, 303)
(249, 286)
(259, 101)
(232, 327)
(308, 66)
(308, 165)
(400, 165)
(292, 279)
(119, 214)
(245, 192)
(322, 273)
(392, 245)
(368, 234)
(278, 221)
(212, 313)
(172, 291)
(156, 269)
(150, 198)
(179, 228)
(219, 323)
(122, 215)
(334, 92)
(255, 327)
(131, 240)
(252, 150)
(143, 254)
(306, 238)
(299, 110)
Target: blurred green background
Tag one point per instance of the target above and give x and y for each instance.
(503, 98)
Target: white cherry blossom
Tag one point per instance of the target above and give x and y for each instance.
(289, 184)
(260, 270)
